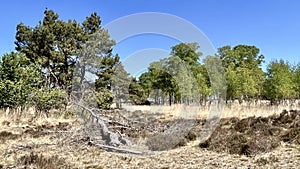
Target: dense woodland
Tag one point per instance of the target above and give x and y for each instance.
(50, 56)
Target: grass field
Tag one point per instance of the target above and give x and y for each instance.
(194, 111)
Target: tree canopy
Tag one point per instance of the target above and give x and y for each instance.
(280, 82)
(244, 75)
(55, 49)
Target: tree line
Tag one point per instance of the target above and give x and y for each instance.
(50, 56)
(245, 79)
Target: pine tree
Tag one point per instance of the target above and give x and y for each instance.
(18, 78)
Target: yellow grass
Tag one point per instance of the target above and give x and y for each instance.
(194, 111)
(85, 156)
(13, 149)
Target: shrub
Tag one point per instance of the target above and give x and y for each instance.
(46, 99)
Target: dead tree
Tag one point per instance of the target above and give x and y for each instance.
(109, 137)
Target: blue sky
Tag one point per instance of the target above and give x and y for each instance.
(271, 25)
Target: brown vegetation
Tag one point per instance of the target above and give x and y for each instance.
(266, 142)
(255, 135)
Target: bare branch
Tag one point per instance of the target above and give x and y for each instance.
(110, 138)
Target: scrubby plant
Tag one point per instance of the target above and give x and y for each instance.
(45, 99)
(17, 80)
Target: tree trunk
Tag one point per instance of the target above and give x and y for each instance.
(170, 98)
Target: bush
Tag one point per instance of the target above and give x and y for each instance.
(46, 99)
(18, 78)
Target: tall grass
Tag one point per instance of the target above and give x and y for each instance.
(196, 111)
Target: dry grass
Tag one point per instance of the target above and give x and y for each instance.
(194, 111)
(20, 134)
(48, 143)
(258, 111)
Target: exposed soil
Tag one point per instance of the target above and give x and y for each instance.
(254, 142)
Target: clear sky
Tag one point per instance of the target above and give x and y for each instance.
(271, 25)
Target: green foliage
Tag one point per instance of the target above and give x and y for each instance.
(21, 85)
(120, 85)
(187, 52)
(136, 92)
(279, 83)
(106, 72)
(297, 80)
(195, 81)
(45, 99)
(95, 56)
(53, 44)
(96, 60)
(17, 80)
(146, 83)
(162, 79)
(50, 52)
(202, 78)
(241, 56)
(214, 84)
(244, 76)
(104, 98)
(103, 84)
(59, 47)
(180, 77)
(92, 24)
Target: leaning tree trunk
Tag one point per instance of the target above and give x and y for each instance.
(110, 138)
